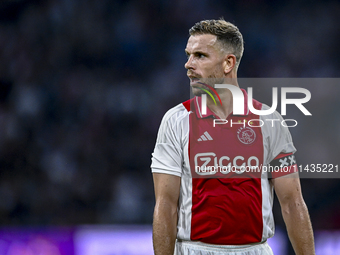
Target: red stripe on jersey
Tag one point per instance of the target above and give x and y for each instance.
(226, 211)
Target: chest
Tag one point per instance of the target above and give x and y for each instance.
(225, 148)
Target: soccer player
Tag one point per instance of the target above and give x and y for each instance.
(207, 199)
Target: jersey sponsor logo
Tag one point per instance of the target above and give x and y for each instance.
(208, 163)
(205, 137)
(246, 135)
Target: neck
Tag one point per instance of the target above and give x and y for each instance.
(224, 110)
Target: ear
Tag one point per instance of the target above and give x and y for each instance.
(229, 63)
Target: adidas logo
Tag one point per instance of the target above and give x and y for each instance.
(205, 137)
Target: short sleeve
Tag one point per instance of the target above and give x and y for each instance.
(277, 137)
(280, 159)
(167, 155)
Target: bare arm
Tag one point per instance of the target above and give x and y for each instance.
(295, 213)
(167, 189)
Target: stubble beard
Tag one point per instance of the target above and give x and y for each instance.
(211, 81)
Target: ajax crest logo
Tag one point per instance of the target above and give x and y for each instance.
(246, 135)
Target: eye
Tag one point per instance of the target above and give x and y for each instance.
(200, 55)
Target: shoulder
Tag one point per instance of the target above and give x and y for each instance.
(274, 115)
(174, 124)
(178, 113)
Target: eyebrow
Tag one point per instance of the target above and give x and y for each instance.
(196, 52)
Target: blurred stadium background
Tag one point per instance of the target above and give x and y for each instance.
(84, 85)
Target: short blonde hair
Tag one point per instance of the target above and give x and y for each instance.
(227, 34)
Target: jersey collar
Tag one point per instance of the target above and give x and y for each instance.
(198, 107)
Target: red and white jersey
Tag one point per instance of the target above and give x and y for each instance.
(232, 206)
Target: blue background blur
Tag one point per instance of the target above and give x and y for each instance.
(85, 83)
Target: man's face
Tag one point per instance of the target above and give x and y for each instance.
(205, 62)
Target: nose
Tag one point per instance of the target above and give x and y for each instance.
(189, 64)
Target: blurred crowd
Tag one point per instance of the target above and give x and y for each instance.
(84, 85)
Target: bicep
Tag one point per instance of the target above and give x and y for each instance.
(288, 188)
(167, 188)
